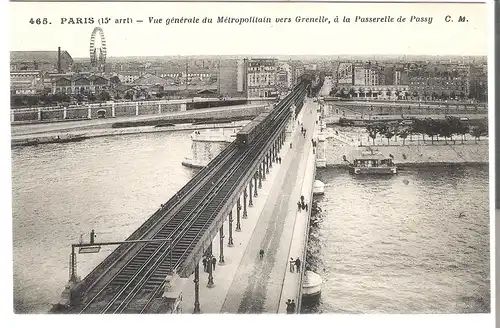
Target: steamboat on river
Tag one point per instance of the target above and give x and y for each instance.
(371, 162)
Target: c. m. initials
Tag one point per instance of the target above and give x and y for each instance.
(461, 19)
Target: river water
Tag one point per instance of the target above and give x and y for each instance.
(382, 246)
(60, 191)
(417, 242)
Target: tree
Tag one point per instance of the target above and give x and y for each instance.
(115, 80)
(104, 96)
(117, 97)
(79, 98)
(129, 96)
(387, 131)
(479, 130)
(92, 97)
(372, 130)
(430, 128)
(444, 129)
(419, 127)
(33, 100)
(457, 127)
(159, 95)
(16, 101)
(403, 134)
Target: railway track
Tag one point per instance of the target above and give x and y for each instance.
(147, 229)
(142, 277)
(138, 265)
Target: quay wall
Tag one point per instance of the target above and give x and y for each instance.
(413, 154)
(224, 113)
(95, 133)
(123, 109)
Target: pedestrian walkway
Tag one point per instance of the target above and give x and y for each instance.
(246, 283)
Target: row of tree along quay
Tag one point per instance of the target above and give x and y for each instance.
(57, 99)
(474, 94)
(433, 128)
(62, 99)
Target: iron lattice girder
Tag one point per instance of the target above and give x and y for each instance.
(188, 266)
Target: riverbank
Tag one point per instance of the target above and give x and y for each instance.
(194, 121)
(414, 155)
(64, 137)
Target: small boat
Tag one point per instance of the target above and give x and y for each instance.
(373, 163)
(318, 188)
(311, 287)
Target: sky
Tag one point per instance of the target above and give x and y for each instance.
(151, 39)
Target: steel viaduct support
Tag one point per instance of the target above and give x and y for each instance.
(248, 196)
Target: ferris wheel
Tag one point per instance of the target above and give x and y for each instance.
(98, 55)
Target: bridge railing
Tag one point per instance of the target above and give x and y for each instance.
(306, 237)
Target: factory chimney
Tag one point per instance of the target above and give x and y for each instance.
(59, 60)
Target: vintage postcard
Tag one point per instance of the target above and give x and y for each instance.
(251, 158)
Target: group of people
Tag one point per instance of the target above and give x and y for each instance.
(301, 204)
(278, 160)
(294, 264)
(303, 131)
(314, 145)
(207, 261)
(290, 306)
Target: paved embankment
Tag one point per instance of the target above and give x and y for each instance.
(414, 154)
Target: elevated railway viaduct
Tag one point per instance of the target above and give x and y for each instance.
(133, 278)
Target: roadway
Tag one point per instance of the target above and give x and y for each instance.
(258, 284)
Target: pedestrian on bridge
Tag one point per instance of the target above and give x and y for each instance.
(205, 268)
(261, 253)
(290, 145)
(214, 262)
(92, 236)
(289, 307)
(297, 264)
(298, 205)
(292, 265)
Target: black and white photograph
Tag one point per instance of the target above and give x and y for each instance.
(250, 158)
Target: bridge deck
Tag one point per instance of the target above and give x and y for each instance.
(127, 278)
(246, 284)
